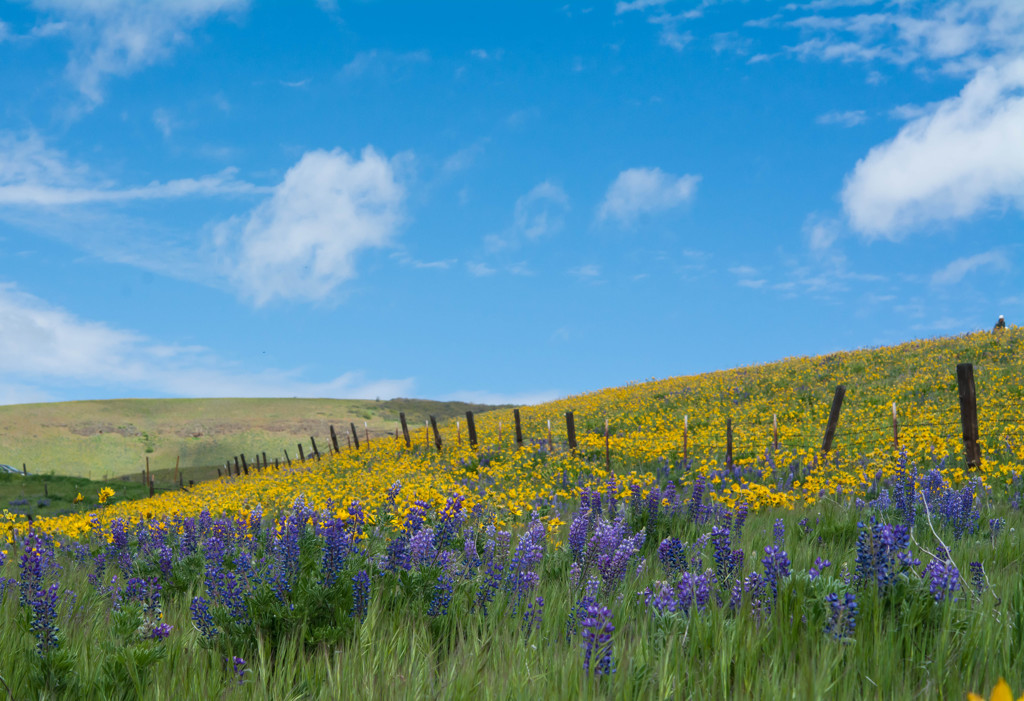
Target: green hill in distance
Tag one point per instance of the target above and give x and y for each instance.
(106, 439)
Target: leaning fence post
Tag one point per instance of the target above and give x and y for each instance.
(519, 429)
(895, 429)
(968, 412)
(334, 439)
(302, 455)
(245, 467)
(728, 442)
(355, 436)
(437, 435)
(570, 429)
(405, 429)
(833, 419)
(316, 452)
(471, 428)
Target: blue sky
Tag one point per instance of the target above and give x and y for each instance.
(494, 201)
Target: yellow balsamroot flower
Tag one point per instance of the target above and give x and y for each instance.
(105, 494)
(1000, 692)
(78, 498)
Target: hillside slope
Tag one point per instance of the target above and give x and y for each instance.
(109, 438)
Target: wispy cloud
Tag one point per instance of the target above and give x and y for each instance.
(487, 397)
(121, 37)
(382, 63)
(479, 269)
(960, 268)
(33, 174)
(849, 118)
(45, 349)
(541, 211)
(637, 191)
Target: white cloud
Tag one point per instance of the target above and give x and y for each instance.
(479, 269)
(965, 156)
(121, 37)
(849, 118)
(962, 267)
(821, 233)
(380, 63)
(302, 242)
(44, 349)
(635, 5)
(586, 271)
(32, 174)
(163, 121)
(644, 191)
(743, 270)
(464, 157)
(541, 211)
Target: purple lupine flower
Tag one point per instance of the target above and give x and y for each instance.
(442, 597)
(779, 533)
(672, 555)
(819, 566)
(239, 665)
(202, 618)
(533, 616)
(842, 615)
(776, 566)
(529, 552)
(360, 595)
(906, 483)
(722, 555)
(611, 490)
(741, 518)
(161, 632)
(995, 525)
(43, 604)
(695, 509)
(597, 639)
(943, 579)
(398, 555)
(978, 576)
(421, 546)
(452, 518)
(880, 548)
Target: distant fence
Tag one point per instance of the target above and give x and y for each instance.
(967, 427)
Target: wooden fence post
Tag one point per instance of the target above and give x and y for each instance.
(334, 440)
(968, 412)
(775, 431)
(366, 430)
(471, 428)
(405, 429)
(519, 428)
(312, 442)
(219, 475)
(265, 460)
(728, 442)
(287, 458)
(245, 466)
(551, 442)
(152, 488)
(895, 429)
(24, 469)
(570, 429)
(833, 420)
(355, 436)
(437, 435)
(302, 455)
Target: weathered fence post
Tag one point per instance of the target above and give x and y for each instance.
(265, 460)
(334, 440)
(551, 442)
(519, 429)
(728, 442)
(471, 428)
(366, 430)
(405, 429)
(355, 436)
(437, 435)
(895, 429)
(245, 466)
(287, 458)
(24, 469)
(152, 488)
(312, 442)
(570, 429)
(302, 455)
(968, 412)
(833, 420)
(775, 431)
(219, 475)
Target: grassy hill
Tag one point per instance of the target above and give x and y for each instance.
(112, 438)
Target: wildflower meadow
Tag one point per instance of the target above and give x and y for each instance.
(696, 543)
